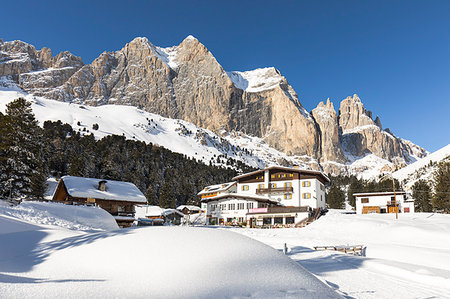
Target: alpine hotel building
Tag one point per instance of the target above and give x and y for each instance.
(274, 196)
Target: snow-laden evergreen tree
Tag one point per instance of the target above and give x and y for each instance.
(421, 192)
(22, 171)
(441, 197)
(335, 198)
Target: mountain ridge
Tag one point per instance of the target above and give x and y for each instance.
(187, 82)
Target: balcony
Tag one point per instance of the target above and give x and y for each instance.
(274, 190)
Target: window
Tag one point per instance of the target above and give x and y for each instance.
(288, 196)
(306, 184)
(231, 206)
(283, 175)
(306, 195)
(365, 200)
(291, 175)
(223, 207)
(278, 220)
(267, 220)
(249, 205)
(120, 208)
(262, 205)
(322, 187)
(260, 186)
(287, 185)
(260, 177)
(273, 185)
(290, 220)
(272, 176)
(244, 187)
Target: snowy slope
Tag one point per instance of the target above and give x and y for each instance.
(421, 169)
(151, 262)
(404, 258)
(178, 135)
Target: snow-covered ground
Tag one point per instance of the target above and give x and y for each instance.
(47, 261)
(45, 258)
(404, 258)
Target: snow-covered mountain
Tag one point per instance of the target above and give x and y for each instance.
(423, 168)
(257, 110)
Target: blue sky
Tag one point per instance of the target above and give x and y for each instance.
(394, 54)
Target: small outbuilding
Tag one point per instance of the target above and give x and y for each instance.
(383, 202)
(116, 197)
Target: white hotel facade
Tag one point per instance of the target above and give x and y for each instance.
(275, 196)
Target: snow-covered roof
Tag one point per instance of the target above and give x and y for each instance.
(189, 207)
(115, 190)
(240, 196)
(154, 211)
(172, 211)
(216, 188)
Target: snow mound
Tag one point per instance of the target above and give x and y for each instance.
(58, 214)
(160, 262)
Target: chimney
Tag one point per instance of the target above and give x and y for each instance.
(102, 185)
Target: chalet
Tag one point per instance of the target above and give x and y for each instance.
(189, 209)
(383, 202)
(117, 198)
(274, 196)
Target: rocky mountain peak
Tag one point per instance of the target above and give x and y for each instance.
(186, 82)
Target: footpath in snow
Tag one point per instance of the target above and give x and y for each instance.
(404, 258)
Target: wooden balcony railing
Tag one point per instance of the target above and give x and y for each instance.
(274, 190)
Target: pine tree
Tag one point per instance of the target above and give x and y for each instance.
(21, 153)
(441, 196)
(335, 198)
(355, 187)
(421, 192)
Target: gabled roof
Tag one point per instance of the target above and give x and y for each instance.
(241, 196)
(115, 190)
(298, 170)
(217, 188)
(189, 207)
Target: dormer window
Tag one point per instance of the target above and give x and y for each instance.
(102, 185)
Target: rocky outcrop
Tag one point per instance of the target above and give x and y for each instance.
(327, 120)
(186, 82)
(362, 135)
(36, 71)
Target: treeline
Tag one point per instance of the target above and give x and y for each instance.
(166, 178)
(426, 200)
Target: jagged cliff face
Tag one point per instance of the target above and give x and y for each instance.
(327, 121)
(186, 82)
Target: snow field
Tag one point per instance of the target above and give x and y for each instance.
(156, 262)
(404, 258)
